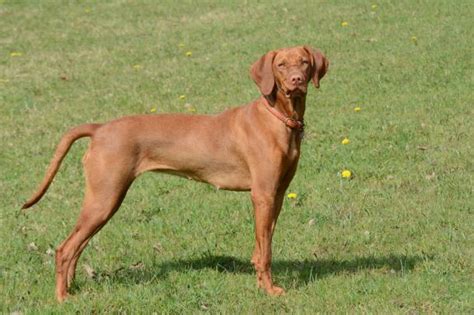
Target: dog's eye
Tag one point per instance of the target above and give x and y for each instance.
(281, 65)
(305, 62)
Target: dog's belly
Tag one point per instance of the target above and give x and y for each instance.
(226, 177)
(223, 171)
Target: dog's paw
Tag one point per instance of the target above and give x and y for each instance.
(275, 291)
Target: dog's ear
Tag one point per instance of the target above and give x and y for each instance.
(319, 65)
(262, 73)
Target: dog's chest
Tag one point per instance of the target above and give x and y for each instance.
(293, 147)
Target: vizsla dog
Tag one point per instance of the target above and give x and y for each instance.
(253, 148)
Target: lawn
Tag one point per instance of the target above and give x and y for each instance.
(396, 238)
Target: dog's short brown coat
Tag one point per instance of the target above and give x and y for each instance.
(244, 148)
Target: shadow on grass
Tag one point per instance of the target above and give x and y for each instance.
(287, 272)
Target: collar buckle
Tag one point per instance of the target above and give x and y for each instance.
(288, 121)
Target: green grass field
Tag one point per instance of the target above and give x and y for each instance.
(397, 238)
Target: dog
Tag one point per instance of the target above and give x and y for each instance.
(254, 147)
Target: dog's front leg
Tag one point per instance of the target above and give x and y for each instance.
(278, 205)
(266, 207)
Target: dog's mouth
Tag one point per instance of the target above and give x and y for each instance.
(297, 90)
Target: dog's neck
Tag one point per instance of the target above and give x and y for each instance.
(292, 107)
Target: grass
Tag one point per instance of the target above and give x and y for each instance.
(397, 238)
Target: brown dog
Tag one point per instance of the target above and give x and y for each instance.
(254, 147)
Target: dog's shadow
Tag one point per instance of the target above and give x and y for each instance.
(293, 273)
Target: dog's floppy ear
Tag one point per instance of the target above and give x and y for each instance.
(319, 65)
(262, 73)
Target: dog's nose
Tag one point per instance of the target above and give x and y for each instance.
(296, 79)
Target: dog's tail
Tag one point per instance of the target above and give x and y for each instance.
(67, 140)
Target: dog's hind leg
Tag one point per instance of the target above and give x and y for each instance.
(107, 182)
(71, 273)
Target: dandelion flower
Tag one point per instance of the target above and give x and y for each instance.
(182, 97)
(357, 109)
(292, 195)
(345, 141)
(16, 54)
(414, 39)
(189, 53)
(346, 174)
(374, 6)
(153, 109)
(344, 24)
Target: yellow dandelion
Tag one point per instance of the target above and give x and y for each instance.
(153, 109)
(182, 97)
(346, 174)
(374, 6)
(189, 53)
(345, 141)
(292, 195)
(344, 24)
(137, 67)
(181, 45)
(414, 39)
(16, 54)
(357, 109)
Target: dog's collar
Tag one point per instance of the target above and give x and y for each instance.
(288, 121)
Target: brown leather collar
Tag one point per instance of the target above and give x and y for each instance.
(288, 121)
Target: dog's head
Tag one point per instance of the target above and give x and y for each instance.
(289, 70)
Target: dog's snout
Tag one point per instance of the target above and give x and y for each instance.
(296, 79)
